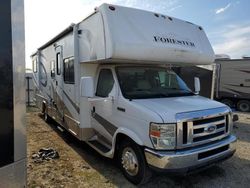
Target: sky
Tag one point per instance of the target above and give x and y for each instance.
(226, 22)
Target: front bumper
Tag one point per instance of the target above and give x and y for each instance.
(193, 158)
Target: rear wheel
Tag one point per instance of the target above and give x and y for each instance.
(133, 163)
(228, 102)
(243, 106)
(46, 117)
(45, 114)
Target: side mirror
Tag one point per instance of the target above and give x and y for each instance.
(235, 117)
(197, 86)
(87, 87)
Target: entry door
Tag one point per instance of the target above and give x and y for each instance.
(103, 107)
(59, 84)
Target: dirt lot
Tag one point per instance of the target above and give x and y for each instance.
(81, 166)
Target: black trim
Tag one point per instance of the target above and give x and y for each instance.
(121, 109)
(240, 85)
(6, 86)
(111, 128)
(246, 71)
(238, 92)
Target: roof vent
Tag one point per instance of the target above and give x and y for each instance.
(157, 15)
(112, 8)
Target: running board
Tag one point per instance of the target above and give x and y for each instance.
(101, 148)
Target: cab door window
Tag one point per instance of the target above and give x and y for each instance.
(105, 83)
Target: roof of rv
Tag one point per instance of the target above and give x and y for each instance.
(122, 33)
(60, 35)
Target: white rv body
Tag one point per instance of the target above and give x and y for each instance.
(75, 70)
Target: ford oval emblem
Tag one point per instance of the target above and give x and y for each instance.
(210, 129)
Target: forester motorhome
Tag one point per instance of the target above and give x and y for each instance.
(108, 81)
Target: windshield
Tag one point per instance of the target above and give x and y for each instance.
(150, 82)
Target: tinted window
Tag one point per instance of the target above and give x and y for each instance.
(150, 82)
(69, 76)
(58, 63)
(105, 83)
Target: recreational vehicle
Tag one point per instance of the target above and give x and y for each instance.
(233, 82)
(109, 81)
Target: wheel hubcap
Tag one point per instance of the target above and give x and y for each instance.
(129, 161)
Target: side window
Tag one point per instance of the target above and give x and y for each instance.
(34, 65)
(58, 63)
(105, 83)
(52, 68)
(68, 73)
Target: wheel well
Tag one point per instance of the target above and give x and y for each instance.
(120, 137)
(43, 106)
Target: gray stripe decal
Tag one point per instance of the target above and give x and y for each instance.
(237, 85)
(73, 104)
(106, 124)
(246, 71)
(238, 92)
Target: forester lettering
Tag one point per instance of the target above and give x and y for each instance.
(173, 41)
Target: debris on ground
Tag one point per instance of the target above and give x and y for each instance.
(45, 154)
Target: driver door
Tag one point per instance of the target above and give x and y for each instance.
(104, 105)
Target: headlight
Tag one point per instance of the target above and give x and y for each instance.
(163, 136)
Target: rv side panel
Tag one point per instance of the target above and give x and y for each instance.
(234, 79)
(91, 39)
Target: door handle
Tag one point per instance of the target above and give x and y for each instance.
(56, 82)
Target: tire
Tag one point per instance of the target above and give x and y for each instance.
(46, 117)
(228, 102)
(139, 172)
(243, 106)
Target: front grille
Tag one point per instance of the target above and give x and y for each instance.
(201, 128)
(201, 131)
(201, 138)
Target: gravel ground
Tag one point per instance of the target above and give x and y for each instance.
(80, 166)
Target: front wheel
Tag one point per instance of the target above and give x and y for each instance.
(133, 163)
